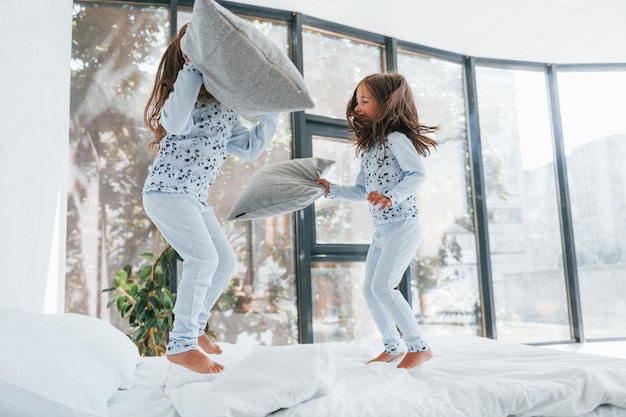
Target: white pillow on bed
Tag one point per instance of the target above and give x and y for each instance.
(268, 379)
(44, 372)
(102, 339)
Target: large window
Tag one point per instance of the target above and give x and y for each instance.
(333, 66)
(444, 277)
(594, 135)
(115, 54)
(524, 228)
(299, 276)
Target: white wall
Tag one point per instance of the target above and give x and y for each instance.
(34, 124)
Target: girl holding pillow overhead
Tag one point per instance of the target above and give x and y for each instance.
(390, 142)
(192, 133)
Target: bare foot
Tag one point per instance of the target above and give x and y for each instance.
(208, 345)
(195, 361)
(413, 359)
(386, 357)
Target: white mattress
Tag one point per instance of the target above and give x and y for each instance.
(468, 376)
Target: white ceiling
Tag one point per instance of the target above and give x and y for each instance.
(545, 31)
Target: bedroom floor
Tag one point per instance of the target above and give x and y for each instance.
(615, 349)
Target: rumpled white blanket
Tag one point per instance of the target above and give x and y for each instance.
(467, 377)
(473, 377)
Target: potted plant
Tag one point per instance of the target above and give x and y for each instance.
(144, 298)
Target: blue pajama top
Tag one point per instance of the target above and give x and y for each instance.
(199, 134)
(396, 175)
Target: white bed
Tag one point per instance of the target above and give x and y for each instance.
(468, 376)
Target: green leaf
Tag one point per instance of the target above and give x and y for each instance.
(127, 309)
(161, 280)
(145, 271)
(120, 304)
(155, 303)
(118, 282)
(128, 269)
(140, 333)
(134, 288)
(140, 308)
(151, 322)
(168, 301)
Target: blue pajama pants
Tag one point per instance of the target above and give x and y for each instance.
(208, 261)
(390, 253)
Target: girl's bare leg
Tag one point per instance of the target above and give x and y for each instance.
(413, 359)
(195, 361)
(208, 345)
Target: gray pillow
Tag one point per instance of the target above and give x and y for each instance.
(241, 66)
(280, 188)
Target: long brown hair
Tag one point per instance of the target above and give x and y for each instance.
(171, 63)
(396, 112)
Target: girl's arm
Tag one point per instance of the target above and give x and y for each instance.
(355, 192)
(177, 111)
(249, 145)
(410, 163)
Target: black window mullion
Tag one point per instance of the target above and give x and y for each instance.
(173, 19)
(391, 55)
(565, 214)
(303, 218)
(488, 315)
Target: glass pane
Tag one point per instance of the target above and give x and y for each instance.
(594, 130)
(333, 65)
(524, 227)
(116, 51)
(339, 221)
(445, 291)
(183, 17)
(339, 310)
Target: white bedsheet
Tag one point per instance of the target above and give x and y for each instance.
(473, 377)
(147, 398)
(468, 376)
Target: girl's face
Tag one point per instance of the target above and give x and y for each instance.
(365, 103)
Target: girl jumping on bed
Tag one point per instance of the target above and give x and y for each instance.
(390, 142)
(192, 134)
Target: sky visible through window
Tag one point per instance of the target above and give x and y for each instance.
(592, 107)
